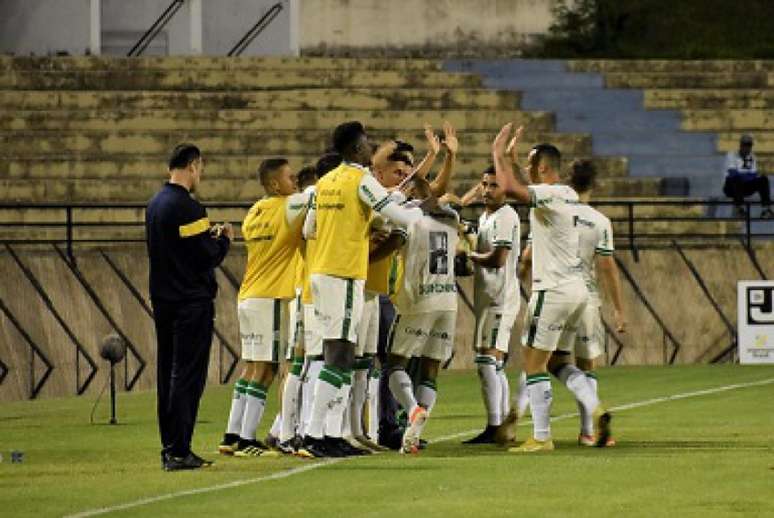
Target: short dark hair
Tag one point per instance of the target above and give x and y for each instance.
(306, 176)
(346, 136)
(583, 175)
(400, 156)
(328, 162)
(183, 155)
(550, 154)
(489, 170)
(268, 167)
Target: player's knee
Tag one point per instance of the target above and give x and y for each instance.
(396, 362)
(339, 353)
(429, 369)
(584, 364)
(557, 362)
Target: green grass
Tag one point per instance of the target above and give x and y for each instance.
(709, 455)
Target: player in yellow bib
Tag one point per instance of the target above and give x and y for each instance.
(272, 234)
(339, 221)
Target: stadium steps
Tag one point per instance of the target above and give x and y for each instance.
(717, 66)
(217, 166)
(175, 63)
(244, 120)
(237, 187)
(38, 144)
(87, 111)
(706, 99)
(297, 99)
(195, 80)
(652, 142)
(688, 80)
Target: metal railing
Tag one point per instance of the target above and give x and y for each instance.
(64, 223)
(155, 29)
(256, 29)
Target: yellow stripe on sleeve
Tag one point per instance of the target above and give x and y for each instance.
(197, 227)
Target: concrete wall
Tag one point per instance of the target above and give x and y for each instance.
(226, 22)
(43, 27)
(335, 27)
(47, 26)
(420, 27)
(135, 17)
(661, 276)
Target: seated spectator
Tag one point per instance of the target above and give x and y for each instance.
(743, 178)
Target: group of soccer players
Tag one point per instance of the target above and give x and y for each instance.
(325, 244)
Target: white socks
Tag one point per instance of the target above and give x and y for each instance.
(291, 395)
(372, 398)
(505, 390)
(309, 381)
(256, 403)
(427, 392)
(491, 388)
(587, 418)
(540, 398)
(326, 390)
(522, 396)
(575, 380)
(238, 404)
(401, 388)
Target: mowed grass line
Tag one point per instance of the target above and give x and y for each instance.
(706, 455)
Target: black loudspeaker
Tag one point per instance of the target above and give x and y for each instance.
(113, 349)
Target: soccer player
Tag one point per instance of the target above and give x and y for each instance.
(392, 164)
(345, 201)
(313, 350)
(291, 391)
(596, 248)
(496, 298)
(272, 233)
(559, 294)
(427, 308)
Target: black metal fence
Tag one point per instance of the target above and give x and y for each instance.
(637, 223)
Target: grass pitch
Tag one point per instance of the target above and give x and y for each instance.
(705, 454)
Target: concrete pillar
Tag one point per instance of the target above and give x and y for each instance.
(195, 12)
(95, 27)
(295, 27)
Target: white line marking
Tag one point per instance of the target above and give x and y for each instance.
(321, 464)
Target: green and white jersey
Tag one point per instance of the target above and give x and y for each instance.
(555, 238)
(428, 283)
(596, 238)
(497, 289)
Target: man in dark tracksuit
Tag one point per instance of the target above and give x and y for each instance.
(183, 249)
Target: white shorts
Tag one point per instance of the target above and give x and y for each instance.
(312, 338)
(423, 334)
(590, 339)
(338, 305)
(295, 325)
(493, 330)
(368, 332)
(263, 329)
(552, 318)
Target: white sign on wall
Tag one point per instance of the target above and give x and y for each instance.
(756, 321)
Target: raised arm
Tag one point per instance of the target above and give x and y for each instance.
(375, 196)
(433, 148)
(504, 167)
(474, 194)
(440, 185)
